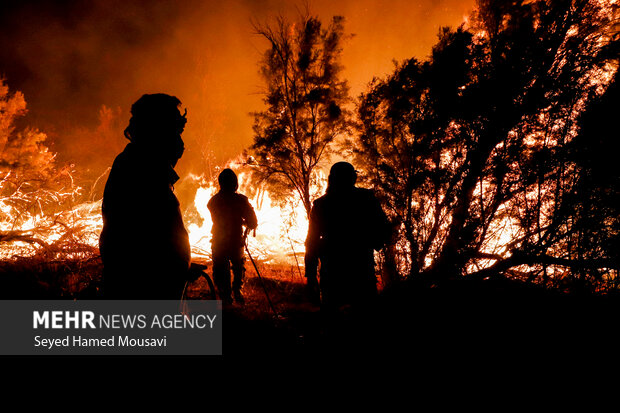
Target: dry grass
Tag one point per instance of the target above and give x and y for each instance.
(35, 278)
(283, 284)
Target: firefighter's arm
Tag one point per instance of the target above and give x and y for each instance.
(249, 216)
(312, 283)
(311, 264)
(311, 258)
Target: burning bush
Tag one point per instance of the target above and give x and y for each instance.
(39, 210)
(43, 213)
(479, 155)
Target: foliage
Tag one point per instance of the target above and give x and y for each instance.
(306, 104)
(470, 149)
(37, 197)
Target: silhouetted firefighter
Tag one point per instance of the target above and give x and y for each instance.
(230, 211)
(346, 225)
(144, 245)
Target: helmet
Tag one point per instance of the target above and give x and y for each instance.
(152, 114)
(342, 175)
(228, 180)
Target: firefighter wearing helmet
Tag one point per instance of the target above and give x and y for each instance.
(230, 212)
(346, 225)
(144, 245)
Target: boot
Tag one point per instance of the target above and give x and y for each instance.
(239, 297)
(227, 300)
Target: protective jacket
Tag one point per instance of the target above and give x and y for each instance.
(229, 212)
(344, 230)
(144, 244)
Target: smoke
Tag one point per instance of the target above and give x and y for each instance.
(70, 58)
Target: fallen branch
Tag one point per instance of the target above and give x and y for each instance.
(517, 259)
(23, 236)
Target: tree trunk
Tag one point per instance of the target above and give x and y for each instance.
(451, 261)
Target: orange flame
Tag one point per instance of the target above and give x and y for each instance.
(281, 230)
(279, 237)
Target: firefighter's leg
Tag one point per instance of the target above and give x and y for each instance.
(238, 269)
(221, 276)
(329, 296)
(329, 308)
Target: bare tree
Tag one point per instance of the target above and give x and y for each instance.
(305, 102)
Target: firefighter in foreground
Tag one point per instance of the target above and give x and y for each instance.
(144, 245)
(230, 211)
(346, 225)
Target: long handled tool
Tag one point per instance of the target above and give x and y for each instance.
(247, 250)
(183, 307)
(197, 270)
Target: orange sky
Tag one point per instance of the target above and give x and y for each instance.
(71, 59)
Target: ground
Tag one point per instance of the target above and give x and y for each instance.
(451, 322)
